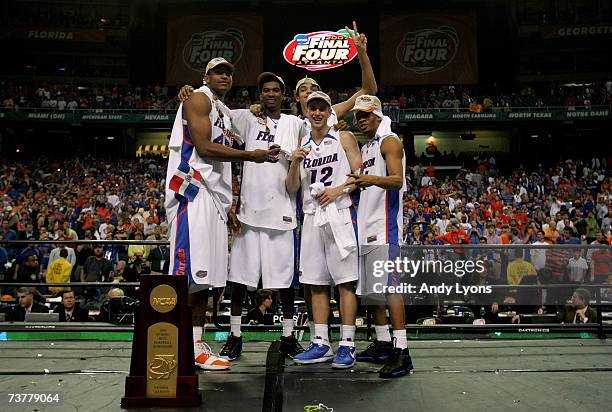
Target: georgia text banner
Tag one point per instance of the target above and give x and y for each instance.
(428, 49)
(194, 40)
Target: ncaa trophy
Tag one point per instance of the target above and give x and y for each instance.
(162, 369)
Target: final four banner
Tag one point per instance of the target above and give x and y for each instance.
(428, 49)
(194, 40)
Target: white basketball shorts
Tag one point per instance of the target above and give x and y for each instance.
(262, 253)
(320, 262)
(198, 243)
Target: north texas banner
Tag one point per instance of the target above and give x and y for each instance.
(428, 49)
(194, 40)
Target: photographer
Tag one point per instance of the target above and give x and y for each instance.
(136, 266)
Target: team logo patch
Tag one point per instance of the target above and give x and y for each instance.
(201, 274)
(428, 50)
(287, 219)
(371, 238)
(320, 50)
(202, 47)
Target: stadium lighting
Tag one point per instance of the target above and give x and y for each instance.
(110, 138)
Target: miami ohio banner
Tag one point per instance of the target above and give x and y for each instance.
(428, 49)
(194, 40)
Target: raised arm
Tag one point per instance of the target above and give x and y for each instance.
(196, 111)
(368, 81)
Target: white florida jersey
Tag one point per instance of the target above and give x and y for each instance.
(188, 172)
(264, 201)
(326, 163)
(380, 217)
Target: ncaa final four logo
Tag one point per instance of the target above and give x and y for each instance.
(202, 47)
(320, 50)
(428, 50)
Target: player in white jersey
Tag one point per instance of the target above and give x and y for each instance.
(380, 217)
(307, 85)
(199, 192)
(263, 248)
(328, 252)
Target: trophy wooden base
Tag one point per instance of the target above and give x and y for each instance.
(187, 386)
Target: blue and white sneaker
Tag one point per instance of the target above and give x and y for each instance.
(319, 351)
(345, 355)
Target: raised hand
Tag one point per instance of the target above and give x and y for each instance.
(359, 40)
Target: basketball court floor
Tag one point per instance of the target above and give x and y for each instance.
(463, 375)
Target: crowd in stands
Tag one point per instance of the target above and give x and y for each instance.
(493, 97)
(63, 97)
(70, 199)
(450, 97)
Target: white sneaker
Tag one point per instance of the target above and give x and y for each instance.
(205, 359)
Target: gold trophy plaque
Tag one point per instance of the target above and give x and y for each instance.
(162, 370)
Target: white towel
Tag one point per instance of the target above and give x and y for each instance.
(287, 134)
(175, 144)
(384, 128)
(176, 138)
(329, 218)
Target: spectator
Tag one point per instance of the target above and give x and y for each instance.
(70, 311)
(578, 311)
(159, 258)
(263, 300)
(134, 249)
(29, 272)
(96, 269)
(27, 304)
(577, 268)
(55, 253)
(518, 268)
(59, 271)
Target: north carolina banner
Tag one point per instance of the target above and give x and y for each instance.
(428, 48)
(194, 40)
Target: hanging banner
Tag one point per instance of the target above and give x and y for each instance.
(428, 49)
(320, 50)
(580, 30)
(54, 34)
(194, 40)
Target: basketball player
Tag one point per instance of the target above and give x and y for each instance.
(264, 246)
(319, 168)
(199, 189)
(380, 220)
(307, 85)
